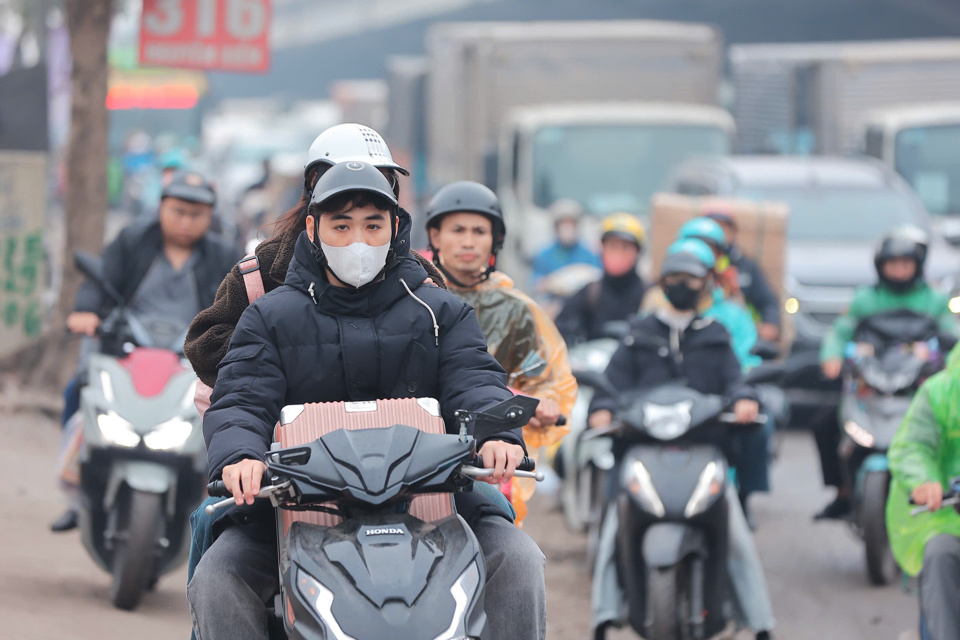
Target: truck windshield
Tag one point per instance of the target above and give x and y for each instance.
(839, 213)
(616, 167)
(928, 158)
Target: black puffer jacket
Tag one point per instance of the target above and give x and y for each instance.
(309, 341)
(649, 356)
(127, 260)
(610, 299)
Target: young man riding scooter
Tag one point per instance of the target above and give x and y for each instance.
(677, 343)
(899, 261)
(352, 322)
(466, 230)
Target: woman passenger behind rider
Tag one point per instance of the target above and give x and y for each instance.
(671, 344)
(211, 330)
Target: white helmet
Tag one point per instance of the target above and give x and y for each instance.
(350, 141)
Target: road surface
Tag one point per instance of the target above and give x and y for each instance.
(49, 588)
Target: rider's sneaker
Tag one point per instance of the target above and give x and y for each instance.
(67, 522)
(764, 635)
(836, 510)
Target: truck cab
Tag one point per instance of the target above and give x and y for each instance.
(920, 142)
(609, 157)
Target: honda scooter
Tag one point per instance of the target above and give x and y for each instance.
(381, 572)
(672, 511)
(142, 463)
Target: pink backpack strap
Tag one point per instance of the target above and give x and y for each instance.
(252, 279)
(201, 397)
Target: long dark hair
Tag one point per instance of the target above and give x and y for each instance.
(296, 218)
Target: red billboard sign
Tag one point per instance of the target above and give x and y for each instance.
(220, 35)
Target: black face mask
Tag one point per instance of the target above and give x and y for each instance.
(682, 296)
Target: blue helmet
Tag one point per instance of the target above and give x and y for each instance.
(704, 229)
(691, 256)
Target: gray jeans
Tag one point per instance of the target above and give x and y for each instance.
(743, 565)
(940, 587)
(237, 576)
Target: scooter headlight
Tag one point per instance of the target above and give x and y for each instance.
(858, 434)
(322, 600)
(640, 485)
(463, 591)
(169, 435)
(667, 422)
(709, 485)
(117, 430)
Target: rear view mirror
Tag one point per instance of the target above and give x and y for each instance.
(505, 416)
(531, 366)
(92, 267)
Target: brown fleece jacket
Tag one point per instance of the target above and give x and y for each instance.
(210, 332)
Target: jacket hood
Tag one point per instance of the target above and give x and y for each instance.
(307, 276)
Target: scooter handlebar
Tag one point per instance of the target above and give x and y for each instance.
(527, 464)
(218, 489)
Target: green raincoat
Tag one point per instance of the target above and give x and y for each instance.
(868, 301)
(925, 449)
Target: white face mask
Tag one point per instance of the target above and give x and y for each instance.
(356, 264)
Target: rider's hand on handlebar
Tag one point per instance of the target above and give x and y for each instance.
(600, 419)
(502, 457)
(84, 322)
(243, 479)
(548, 412)
(929, 494)
(746, 411)
(769, 332)
(831, 368)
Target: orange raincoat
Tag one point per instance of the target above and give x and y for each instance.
(514, 325)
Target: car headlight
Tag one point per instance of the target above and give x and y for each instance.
(169, 435)
(709, 485)
(117, 430)
(322, 600)
(858, 434)
(640, 485)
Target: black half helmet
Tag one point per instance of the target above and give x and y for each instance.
(468, 197)
(353, 176)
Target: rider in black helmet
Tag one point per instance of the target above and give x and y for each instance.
(899, 259)
(466, 231)
(353, 302)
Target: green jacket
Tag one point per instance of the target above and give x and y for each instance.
(870, 300)
(926, 448)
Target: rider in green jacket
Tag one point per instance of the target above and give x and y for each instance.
(899, 262)
(924, 456)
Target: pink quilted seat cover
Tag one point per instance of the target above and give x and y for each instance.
(321, 418)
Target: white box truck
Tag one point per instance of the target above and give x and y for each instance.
(813, 98)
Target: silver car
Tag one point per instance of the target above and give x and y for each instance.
(839, 209)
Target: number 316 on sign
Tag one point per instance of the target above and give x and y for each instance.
(221, 35)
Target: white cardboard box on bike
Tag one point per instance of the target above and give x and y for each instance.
(762, 229)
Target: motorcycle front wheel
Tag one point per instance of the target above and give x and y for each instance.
(882, 568)
(667, 604)
(135, 549)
